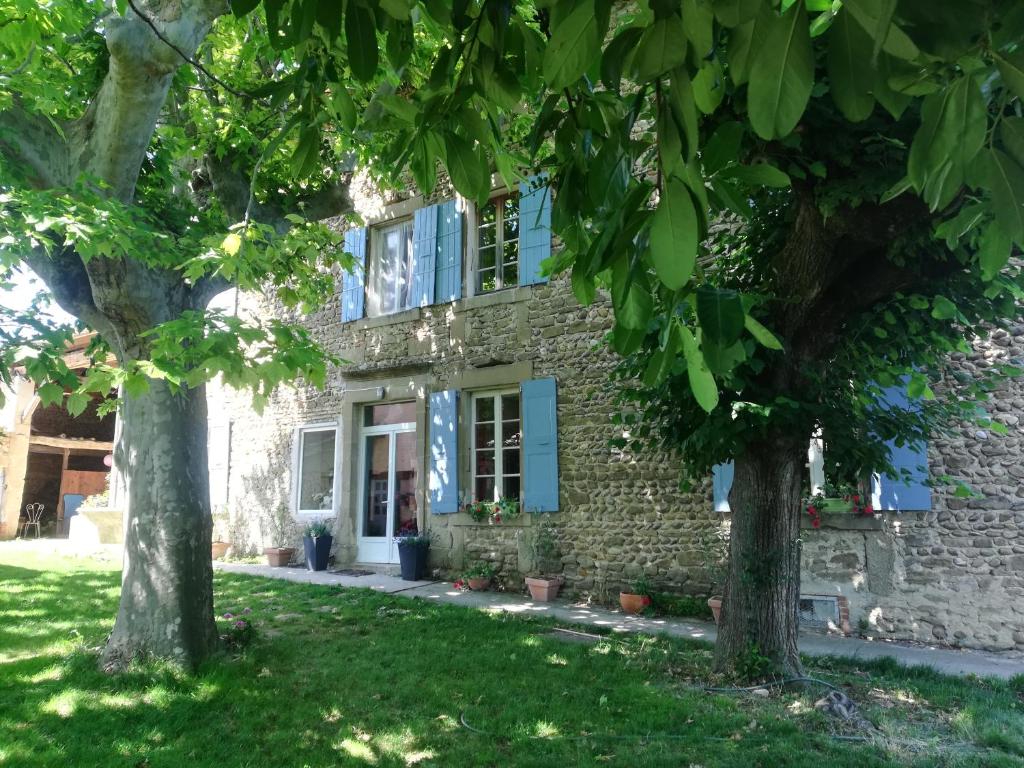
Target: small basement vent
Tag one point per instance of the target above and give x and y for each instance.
(819, 611)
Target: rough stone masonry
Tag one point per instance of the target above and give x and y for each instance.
(954, 575)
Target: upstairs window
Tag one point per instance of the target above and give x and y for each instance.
(391, 266)
(498, 244)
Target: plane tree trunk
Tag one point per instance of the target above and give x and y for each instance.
(166, 607)
(758, 625)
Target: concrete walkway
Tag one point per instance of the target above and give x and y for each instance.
(947, 660)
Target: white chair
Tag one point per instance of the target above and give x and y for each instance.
(34, 513)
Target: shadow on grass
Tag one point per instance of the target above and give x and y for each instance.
(352, 677)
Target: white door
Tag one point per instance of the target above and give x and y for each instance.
(387, 490)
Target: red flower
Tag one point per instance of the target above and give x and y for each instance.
(856, 498)
(646, 600)
(869, 510)
(812, 510)
(816, 523)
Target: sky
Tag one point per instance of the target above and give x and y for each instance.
(26, 286)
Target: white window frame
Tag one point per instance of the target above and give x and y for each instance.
(499, 451)
(373, 266)
(300, 433)
(473, 243)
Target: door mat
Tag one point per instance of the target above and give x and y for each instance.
(352, 572)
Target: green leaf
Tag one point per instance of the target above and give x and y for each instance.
(662, 47)
(722, 147)
(994, 248)
(782, 75)
(698, 24)
(468, 167)
(702, 382)
(762, 175)
(943, 308)
(361, 39)
(674, 234)
(343, 107)
(306, 153)
(709, 87)
(423, 164)
(1011, 67)
(243, 7)
(849, 71)
(870, 14)
(764, 337)
(50, 393)
(77, 402)
(1011, 132)
(614, 58)
(135, 384)
(896, 190)
(626, 341)
(1006, 184)
(721, 314)
(583, 286)
(573, 47)
(732, 13)
(954, 122)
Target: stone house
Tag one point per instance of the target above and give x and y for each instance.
(471, 376)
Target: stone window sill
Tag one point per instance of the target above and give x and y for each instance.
(505, 296)
(525, 520)
(845, 522)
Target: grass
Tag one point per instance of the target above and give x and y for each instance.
(352, 678)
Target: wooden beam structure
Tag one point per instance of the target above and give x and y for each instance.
(70, 443)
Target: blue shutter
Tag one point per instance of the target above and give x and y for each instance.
(449, 253)
(534, 230)
(352, 283)
(721, 482)
(424, 256)
(893, 493)
(443, 483)
(540, 446)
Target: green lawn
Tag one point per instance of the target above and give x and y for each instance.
(351, 678)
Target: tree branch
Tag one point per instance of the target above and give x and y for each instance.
(234, 191)
(34, 143)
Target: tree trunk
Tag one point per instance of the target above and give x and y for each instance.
(759, 617)
(166, 605)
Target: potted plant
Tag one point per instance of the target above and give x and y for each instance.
(479, 576)
(715, 555)
(277, 527)
(541, 581)
(413, 549)
(316, 541)
(637, 598)
(221, 521)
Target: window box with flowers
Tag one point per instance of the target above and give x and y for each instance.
(503, 510)
(836, 505)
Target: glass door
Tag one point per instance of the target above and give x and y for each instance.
(388, 480)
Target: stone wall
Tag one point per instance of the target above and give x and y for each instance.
(953, 575)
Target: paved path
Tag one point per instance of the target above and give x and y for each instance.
(947, 660)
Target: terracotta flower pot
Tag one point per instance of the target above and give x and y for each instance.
(715, 604)
(635, 604)
(479, 585)
(220, 548)
(544, 590)
(278, 556)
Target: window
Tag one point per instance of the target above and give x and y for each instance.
(316, 470)
(496, 445)
(391, 263)
(497, 263)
